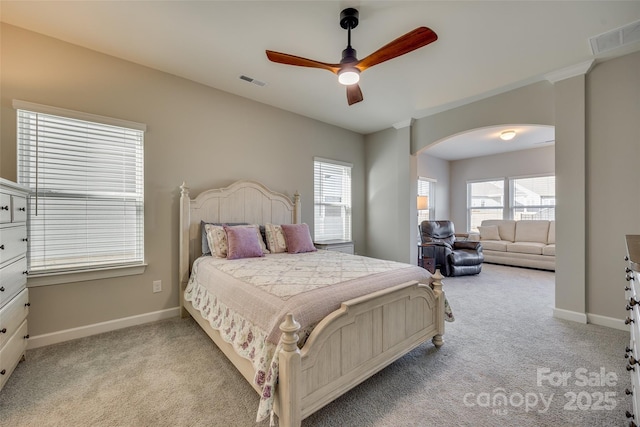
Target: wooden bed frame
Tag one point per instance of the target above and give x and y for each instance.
(349, 345)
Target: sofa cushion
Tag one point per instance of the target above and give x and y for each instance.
(532, 231)
(506, 228)
(495, 245)
(549, 250)
(526, 247)
(551, 238)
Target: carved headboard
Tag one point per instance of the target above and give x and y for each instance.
(242, 201)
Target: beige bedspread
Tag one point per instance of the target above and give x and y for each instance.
(246, 300)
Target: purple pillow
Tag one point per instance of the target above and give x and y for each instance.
(298, 238)
(242, 242)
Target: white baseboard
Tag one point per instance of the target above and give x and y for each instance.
(595, 319)
(98, 328)
(570, 315)
(609, 322)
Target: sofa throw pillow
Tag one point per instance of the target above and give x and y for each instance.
(489, 232)
(242, 242)
(298, 238)
(275, 239)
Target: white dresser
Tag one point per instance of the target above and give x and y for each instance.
(14, 298)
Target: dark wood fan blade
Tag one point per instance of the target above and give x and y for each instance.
(354, 94)
(411, 41)
(284, 58)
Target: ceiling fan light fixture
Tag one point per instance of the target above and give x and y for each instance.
(349, 76)
(507, 135)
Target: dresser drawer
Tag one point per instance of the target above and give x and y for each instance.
(12, 315)
(5, 208)
(12, 352)
(18, 209)
(13, 242)
(12, 280)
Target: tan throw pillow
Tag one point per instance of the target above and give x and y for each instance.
(275, 239)
(489, 232)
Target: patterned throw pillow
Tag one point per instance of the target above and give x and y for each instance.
(298, 238)
(275, 239)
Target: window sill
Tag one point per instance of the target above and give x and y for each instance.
(46, 279)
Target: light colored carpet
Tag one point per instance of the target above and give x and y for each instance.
(170, 374)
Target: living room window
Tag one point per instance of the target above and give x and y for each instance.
(485, 200)
(533, 198)
(427, 196)
(86, 176)
(332, 200)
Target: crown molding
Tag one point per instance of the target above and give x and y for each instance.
(568, 72)
(404, 123)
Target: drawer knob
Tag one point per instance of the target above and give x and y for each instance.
(28, 304)
(633, 301)
(626, 288)
(4, 371)
(629, 277)
(628, 414)
(24, 239)
(4, 208)
(630, 368)
(2, 247)
(627, 270)
(629, 320)
(3, 331)
(628, 392)
(1, 288)
(22, 209)
(626, 257)
(632, 361)
(26, 337)
(25, 272)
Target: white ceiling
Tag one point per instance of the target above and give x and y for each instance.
(484, 47)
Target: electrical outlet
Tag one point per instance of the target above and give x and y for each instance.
(157, 286)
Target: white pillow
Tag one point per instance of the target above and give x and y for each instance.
(489, 232)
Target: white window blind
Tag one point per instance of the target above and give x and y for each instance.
(485, 200)
(332, 200)
(533, 198)
(86, 178)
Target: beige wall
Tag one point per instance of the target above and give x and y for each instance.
(196, 134)
(438, 169)
(613, 178)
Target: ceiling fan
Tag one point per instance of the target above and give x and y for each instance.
(350, 67)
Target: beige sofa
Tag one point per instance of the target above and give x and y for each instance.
(519, 243)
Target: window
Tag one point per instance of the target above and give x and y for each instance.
(427, 188)
(485, 200)
(332, 200)
(85, 173)
(533, 198)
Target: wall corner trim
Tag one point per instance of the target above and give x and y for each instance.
(404, 123)
(574, 316)
(568, 72)
(98, 328)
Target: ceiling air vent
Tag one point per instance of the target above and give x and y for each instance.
(252, 80)
(614, 39)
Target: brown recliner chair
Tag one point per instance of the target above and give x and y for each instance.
(453, 257)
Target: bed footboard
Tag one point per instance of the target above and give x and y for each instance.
(354, 342)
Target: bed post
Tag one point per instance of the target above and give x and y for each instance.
(289, 380)
(436, 284)
(185, 224)
(297, 213)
